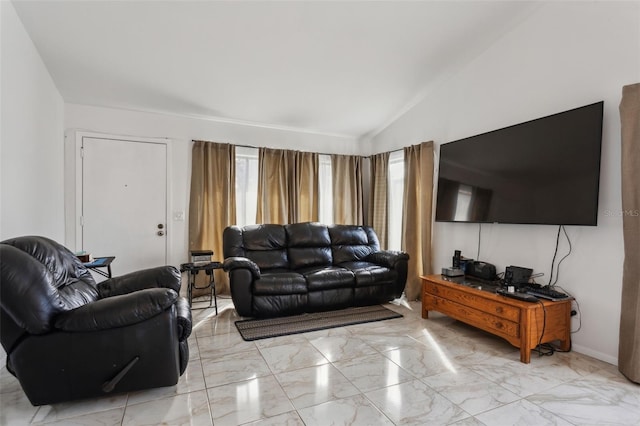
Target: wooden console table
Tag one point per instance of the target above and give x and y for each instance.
(523, 324)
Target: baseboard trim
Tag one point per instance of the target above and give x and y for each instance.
(595, 354)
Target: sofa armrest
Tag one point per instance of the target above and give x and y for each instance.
(184, 318)
(117, 311)
(388, 258)
(232, 263)
(159, 277)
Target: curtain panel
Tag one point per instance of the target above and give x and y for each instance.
(378, 216)
(417, 220)
(287, 186)
(304, 196)
(629, 346)
(212, 201)
(347, 184)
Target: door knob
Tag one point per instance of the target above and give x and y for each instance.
(160, 226)
(160, 233)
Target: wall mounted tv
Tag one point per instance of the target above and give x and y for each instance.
(544, 171)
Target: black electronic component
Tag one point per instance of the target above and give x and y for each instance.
(544, 292)
(518, 295)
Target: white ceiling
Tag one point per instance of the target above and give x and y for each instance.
(333, 67)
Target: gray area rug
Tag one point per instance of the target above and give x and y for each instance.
(255, 329)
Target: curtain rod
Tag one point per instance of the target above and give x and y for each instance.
(319, 153)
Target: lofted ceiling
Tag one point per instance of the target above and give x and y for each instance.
(333, 67)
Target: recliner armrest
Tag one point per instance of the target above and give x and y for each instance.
(231, 263)
(184, 318)
(158, 277)
(388, 258)
(117, 311)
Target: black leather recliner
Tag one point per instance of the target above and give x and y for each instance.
(67, 337)
(279, 270)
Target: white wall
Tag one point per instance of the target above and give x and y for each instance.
(564, 56)
(181, 131)
(31, 142)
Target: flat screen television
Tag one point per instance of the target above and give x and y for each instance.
(544, 171)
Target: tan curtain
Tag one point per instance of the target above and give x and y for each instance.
(378, 216)
(304, 197)
(273, 186)
(212, 204)
(417, 220)
(347, 189)
(629, 346)
(287, 186)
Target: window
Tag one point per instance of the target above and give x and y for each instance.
(246, 185)
(396, 199)
(325, 190)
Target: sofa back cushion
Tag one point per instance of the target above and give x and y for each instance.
(266, 245)
(351, 243)
(300, 245)
(309, 245)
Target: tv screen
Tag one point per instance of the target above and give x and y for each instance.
(544, 171)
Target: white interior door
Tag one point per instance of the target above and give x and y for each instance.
(124, 202)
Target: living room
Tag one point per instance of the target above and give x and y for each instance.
(555, 56)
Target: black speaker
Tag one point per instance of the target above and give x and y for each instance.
(483, 270)
(456, 259)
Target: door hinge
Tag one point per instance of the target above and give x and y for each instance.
(82, 152)
(81, 220)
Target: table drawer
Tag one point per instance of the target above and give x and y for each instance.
(472, 316)
(475, 299)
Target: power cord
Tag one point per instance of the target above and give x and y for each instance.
(552, 283)
(479, 237)
(543, 349)
(555, 253)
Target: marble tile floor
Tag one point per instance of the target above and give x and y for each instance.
(396, 372)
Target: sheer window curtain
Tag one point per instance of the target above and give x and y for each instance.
(378, 216)
(629, 346)
(212, 202)
(287, 186)
(417, 221)
(348, 198)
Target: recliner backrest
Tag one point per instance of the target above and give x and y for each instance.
(266, 245)
(39, 279)
(308, 244)
(351, 243)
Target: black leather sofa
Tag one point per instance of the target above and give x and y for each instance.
(279, 270)
(67, 337)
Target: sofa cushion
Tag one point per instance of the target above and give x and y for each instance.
(328, 277)
(349, 253)
(266, 245)
(350, 243)
(264, 237)
(268, 259)
(368, 274)
(309, 256)
(309, 245)
(307, 235)
(280, 282)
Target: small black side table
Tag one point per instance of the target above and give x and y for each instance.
(193, 269)
(101, 262)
